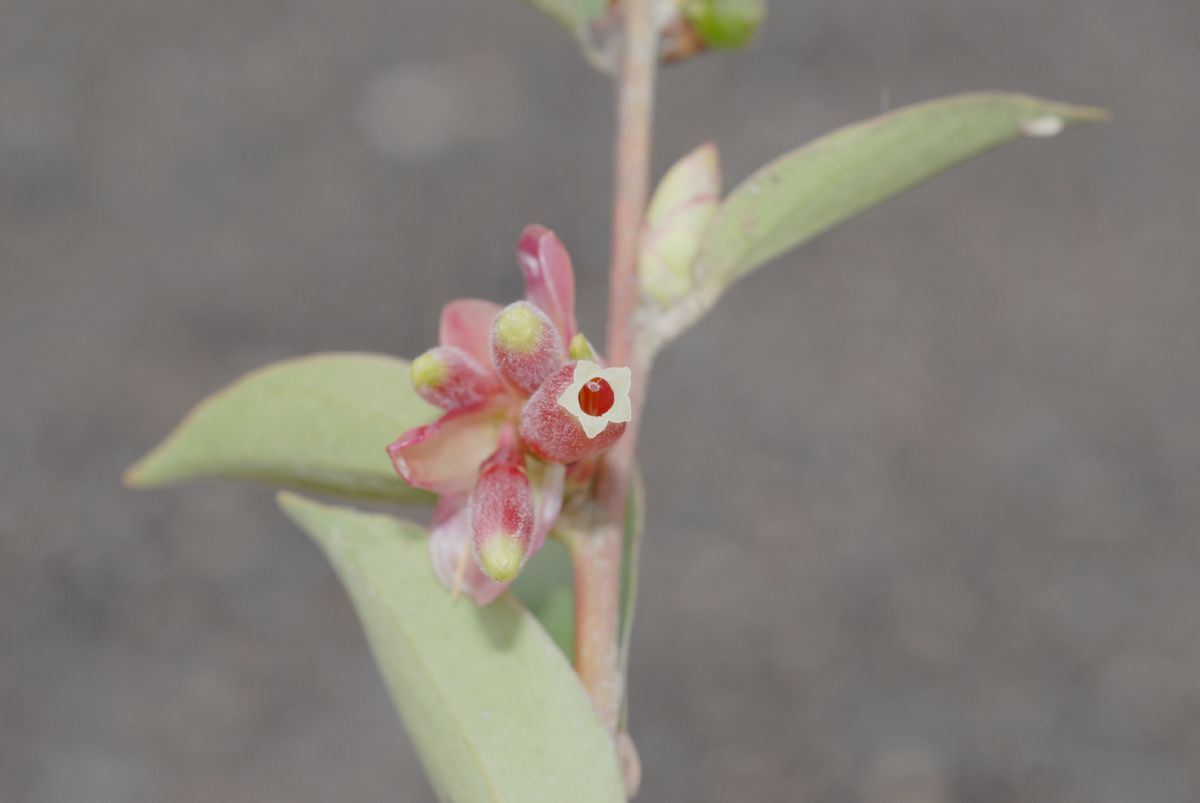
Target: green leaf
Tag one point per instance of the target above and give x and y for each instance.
(810, 190)
(583, 19)
(635, 525)
(493, 707)
(546, 587)
(320, 423)
(814, 188)
(572, 14)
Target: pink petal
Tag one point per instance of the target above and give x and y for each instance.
(549, 279)
(444, 457)
(450, 552)
(467, 324)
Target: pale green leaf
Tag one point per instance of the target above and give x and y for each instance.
(635, 525)
(572, 14)
(812, 189)
(493, 707)
(546, 587)
(855, 168)
(583, 19)
(319, 423)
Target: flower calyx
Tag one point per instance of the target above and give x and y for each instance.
(498, 458)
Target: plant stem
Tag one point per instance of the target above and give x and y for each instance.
(635, 113)
(596, 558)
(597, 551)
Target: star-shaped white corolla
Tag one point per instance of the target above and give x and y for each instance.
(598, 395)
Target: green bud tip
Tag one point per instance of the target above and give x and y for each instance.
(581, 349)
(428, 371)
(725, 24)
(518, 329)
(500, 557)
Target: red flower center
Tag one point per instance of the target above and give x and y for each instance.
(596, 397)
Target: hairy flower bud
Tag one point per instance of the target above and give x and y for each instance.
(450, 378)
(580, 410)
(450, 550)
(502, 519)
(682, 207)
(526, 346)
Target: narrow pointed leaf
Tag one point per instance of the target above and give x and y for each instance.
(631, 554)
(319, 423)
(812, 189)
(494, 709)
(635, 524)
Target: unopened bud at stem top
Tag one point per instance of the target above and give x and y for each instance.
(725, 24)
(676, 220)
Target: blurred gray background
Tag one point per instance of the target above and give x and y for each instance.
(924, 494)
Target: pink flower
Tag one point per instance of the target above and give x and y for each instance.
(517, 411)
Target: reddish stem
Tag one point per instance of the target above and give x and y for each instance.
(635, 113)
(596, 551)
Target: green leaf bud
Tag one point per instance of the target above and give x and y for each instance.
(725, 24)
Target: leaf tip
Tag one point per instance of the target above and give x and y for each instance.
(293, 504)
(1090, 114)
(1070, 113)
(131, 477)
(1057, 118)
(305, 513)
(148, 472)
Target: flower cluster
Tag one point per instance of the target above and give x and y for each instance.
(525, 395)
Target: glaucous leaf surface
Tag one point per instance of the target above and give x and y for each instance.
(495, 710)
(812, 189)
(319, 423)
(546, 587)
